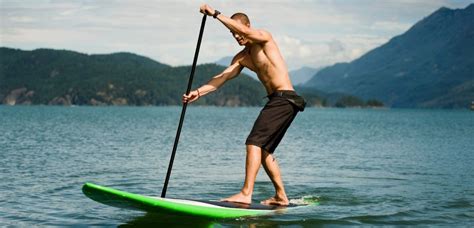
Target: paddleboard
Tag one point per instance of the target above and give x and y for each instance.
(200, 208)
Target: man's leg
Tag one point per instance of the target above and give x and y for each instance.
(273, 171)
(252, 165)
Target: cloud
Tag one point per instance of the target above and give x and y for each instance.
(312, 33)
(326, 50)
(336, 46)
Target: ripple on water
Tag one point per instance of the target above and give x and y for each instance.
(390, 167)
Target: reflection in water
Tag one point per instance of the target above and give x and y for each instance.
(160, 220)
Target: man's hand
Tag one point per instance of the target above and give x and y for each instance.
(206, 9)
(192, 96)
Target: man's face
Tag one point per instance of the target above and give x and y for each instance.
(240, 39)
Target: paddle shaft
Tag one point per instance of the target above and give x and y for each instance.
(183, 110)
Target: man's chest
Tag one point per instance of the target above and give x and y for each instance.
(255, 59)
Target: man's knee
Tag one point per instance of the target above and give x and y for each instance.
(267, 155)
(253, 148)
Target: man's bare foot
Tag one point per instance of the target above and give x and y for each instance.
(239, 198)
(276, 201)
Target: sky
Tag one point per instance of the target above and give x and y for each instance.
(309, 33)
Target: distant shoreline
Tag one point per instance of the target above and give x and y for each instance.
(215, 106)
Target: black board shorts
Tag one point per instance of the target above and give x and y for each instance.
(274, 119)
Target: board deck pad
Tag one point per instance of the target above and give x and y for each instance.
(255, 206)
(201, 208)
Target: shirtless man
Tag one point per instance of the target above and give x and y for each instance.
(261, 55)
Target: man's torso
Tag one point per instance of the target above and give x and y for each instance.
(265, 60)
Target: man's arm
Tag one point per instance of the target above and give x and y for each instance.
(255, 35)
(216, 82)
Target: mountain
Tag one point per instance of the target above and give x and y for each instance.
(224, 61)
(61, 77)
(302, 75)
(430, 66)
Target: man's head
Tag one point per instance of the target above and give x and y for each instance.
(242, 18)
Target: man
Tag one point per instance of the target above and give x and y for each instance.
(261, 55)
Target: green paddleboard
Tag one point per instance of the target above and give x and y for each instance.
(200, 208)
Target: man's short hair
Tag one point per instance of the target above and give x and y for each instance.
(242, 17)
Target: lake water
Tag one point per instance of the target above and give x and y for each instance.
(378, 167)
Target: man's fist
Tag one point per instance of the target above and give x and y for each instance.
(206, 9)
(192, 96)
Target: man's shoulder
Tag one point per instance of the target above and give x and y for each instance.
(240, 55)
(244, 52)
(264, 32)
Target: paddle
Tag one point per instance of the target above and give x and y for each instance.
(183, 110)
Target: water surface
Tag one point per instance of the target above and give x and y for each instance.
(387, 166)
